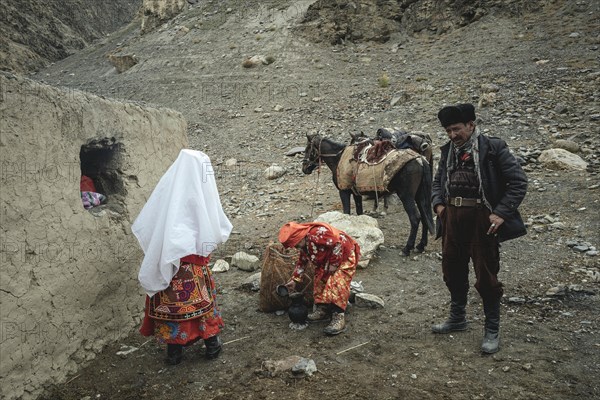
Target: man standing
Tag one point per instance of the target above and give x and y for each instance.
(476, 191)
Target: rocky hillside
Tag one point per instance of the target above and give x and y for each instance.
(339, 21)
(33, 33)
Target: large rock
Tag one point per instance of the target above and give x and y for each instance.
(252, 283)
(122, 62)
(568, 145)
(220, 266)
(561, 159)
(274, 172)
(363, 228)
(68, 276)
(245, 262)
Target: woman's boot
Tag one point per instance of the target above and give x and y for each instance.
(321, 313)
(337, 324)
(174, 354)
(213, 347)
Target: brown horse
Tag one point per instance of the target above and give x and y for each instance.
(412, 184)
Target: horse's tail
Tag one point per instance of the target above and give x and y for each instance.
(424, 195)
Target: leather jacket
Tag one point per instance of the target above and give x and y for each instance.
(504, 185)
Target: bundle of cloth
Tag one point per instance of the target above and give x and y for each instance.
(89, 195)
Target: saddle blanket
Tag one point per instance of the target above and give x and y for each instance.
(363, 177)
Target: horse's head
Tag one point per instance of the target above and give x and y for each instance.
(312, 153)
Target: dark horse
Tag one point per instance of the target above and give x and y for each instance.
(421, 143)
(412, 184)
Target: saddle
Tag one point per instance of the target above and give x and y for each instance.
(372, 151)
(360, 172)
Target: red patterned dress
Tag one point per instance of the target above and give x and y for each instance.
(187, 310)
(335, 256)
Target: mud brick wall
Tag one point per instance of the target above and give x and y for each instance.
(68, 276)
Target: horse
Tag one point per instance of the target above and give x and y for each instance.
(412, 184)
(419, 142)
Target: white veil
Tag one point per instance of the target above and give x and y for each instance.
(183, 216)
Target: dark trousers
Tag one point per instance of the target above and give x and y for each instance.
(464, 237)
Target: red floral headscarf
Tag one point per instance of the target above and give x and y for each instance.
(292, 233)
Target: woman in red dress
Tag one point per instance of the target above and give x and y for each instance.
(335, 255)
(186, 311)
(180, 225)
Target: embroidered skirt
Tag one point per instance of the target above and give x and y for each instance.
(187, 310)
(334, 288)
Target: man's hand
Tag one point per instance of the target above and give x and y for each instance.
(495, 222)
(439, 209)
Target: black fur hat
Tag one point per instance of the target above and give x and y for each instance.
(455, 114)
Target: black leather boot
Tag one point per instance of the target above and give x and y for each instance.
(213, 347)
(457, 320)
(174, 354)
(491, 337)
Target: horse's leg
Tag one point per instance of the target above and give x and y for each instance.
(358, 203)
(375, 204)
(424, 227)
(345, 197)
(424, 234)
(424, 204)
(408, 202)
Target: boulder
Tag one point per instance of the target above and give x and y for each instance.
(560, 159)
(363, 228)
(220, 266)
(122, 62)
(568, 145)
(252, 283)
(245, 262)
(254, 61)
(274, 172)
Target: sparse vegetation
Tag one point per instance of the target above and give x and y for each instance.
(384, 80)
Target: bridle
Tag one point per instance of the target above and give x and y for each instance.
(313, 159)
(313, 155)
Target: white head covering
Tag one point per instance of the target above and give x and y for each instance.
(183, 216)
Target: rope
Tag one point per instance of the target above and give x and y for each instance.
(375, 182)
(320, 161)
(314, 202)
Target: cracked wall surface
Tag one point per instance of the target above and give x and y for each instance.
(68, 276)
